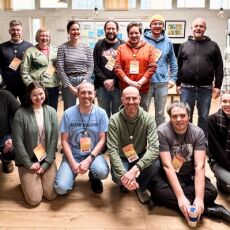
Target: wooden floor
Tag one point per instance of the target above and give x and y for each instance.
(82, 209)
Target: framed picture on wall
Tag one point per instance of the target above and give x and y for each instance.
(175, 29)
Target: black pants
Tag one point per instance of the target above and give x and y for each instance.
(163, 194)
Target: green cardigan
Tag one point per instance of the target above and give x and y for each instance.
(145, 139)
(25, 136)
(34, 65)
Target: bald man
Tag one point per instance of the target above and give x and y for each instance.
(83, 136)
(132, 145)
(200, 65)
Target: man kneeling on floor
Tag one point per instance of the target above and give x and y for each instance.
(83, 136)
(132, 145)
(182, 182)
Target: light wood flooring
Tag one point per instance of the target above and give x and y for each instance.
(82, 209)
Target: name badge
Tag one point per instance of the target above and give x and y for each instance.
(50, 71)
(15, 63)
(177, 162)
(85, 144)
(134, 67)
(110, 64)
(130, 153)
(158, 54)
(40, 152)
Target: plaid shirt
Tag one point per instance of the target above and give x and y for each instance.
(226, 79)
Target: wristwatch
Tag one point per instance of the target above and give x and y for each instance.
(92, 156)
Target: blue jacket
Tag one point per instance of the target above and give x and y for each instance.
(166, 60)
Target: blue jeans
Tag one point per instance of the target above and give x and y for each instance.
(65, 177)
(68, 98)
(146, 176)
(110, 101)
(52, 99)
(145, 101)
(160, 92)
(200, 96)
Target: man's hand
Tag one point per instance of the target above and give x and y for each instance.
(75, 166)
(7, 146)
(199, 204)
(183, 204)
(135, 84)
(129, 178)
(215, 93)
(170, 84)
(84, 166)
(178, 90)
(109, 84)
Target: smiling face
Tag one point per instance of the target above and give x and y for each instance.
(131, 100)
(44, 39)
(37, 97)
(157, 27)
(111, 31)
(74, 32)
(16, 33)
(86, 94)
(179, 119)
(134, 35)
(198, 28)
(225, 103)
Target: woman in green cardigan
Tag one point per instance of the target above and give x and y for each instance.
(35, 136)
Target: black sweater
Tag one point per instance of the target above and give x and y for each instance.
(102, 51)
(217, 143)
(199, 62)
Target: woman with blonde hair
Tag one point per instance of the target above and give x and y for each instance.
(39, 64)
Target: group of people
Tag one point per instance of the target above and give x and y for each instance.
(163, 162)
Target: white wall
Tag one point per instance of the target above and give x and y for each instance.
(56, 20)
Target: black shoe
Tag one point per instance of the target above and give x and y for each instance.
(219, 212)
(144, 196)
(96, 186)
(123, 189)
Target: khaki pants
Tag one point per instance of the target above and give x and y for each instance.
(35, 186)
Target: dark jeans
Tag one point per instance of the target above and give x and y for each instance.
(53, 97)
(163, 194)
(9, 155)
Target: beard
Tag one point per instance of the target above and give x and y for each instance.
(111, 36)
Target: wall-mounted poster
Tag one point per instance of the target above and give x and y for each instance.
(175, 29)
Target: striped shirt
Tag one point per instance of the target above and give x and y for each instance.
(74, 60)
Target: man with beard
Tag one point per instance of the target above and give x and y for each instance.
(11, 53)
(106, 82)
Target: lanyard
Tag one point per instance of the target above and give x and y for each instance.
(133, 131)
(85, 126)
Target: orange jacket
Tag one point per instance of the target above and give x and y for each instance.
(145, 54)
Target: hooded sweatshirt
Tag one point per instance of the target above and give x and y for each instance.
(144, 54)
(199, 62)
(166, 58)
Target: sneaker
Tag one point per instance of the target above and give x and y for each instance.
(144, 197)
(123, 189)
(96, 186)
(7, 166)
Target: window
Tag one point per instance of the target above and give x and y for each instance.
(53, 4)
(153, 4)
(20, 5)
(36, 22)
(190, 3)
(216, 4)
(87, 4)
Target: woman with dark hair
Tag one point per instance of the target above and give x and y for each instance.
(74, 64)
(39, 64)
(35, 136)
